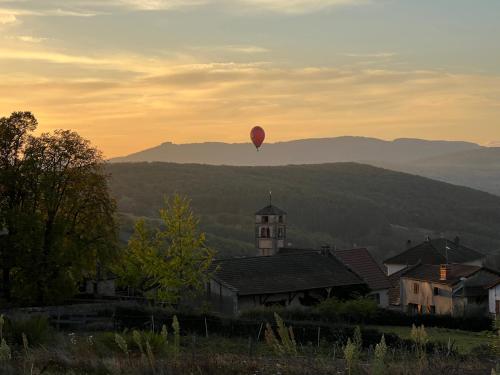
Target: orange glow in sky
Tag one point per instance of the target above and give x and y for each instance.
(130, 74)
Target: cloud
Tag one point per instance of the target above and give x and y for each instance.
(370, 55)
(244, 49)
(80, 8)
(11, 14)
(201, 101)
(7, 18)
(30, 39)
(298, 6)
(153, 4)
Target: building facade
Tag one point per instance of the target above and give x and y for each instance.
(270, 230)
(453, 289)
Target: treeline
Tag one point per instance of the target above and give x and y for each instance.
(58, 225)
(56, 214)
(342, 204)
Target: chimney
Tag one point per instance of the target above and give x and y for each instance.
(443, 272)
(408, 244)
(427, 239)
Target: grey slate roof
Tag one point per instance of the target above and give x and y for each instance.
(270, 210)
(283, 273)
(361, 262)
(434, 252)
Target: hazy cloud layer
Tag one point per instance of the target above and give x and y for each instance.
(163, 100)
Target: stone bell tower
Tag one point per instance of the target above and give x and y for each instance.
(270, 229)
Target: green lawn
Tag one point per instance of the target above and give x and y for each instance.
(465, 341)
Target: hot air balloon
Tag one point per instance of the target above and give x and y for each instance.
(257, 136)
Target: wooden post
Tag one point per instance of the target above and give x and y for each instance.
(206, 328)
(260, 330)
(319, 334)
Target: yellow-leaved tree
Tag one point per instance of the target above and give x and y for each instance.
(169, 262)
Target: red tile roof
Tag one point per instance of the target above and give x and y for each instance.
(431, 272)
(361, 262)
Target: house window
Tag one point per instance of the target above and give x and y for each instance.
(280, 232)
(280, 219)
(265, 219)
(263, 232)
(436, 291)
(416, 288)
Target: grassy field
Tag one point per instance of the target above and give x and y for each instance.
(464, 341)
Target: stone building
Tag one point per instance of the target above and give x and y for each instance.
(454, 289)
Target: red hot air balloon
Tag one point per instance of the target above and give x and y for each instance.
(257, 136)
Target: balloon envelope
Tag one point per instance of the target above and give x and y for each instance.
(257, 135)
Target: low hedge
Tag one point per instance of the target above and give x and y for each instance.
(305, 331)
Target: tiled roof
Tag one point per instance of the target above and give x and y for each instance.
(494, 283)
(270, 210)
(283, 273)
(431, 272)
(361, 262)
(434, 251)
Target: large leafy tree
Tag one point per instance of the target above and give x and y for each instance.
(170, 262)
(56, 211)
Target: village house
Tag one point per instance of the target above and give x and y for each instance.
(494, 297)
(434, 251)
(454, 289)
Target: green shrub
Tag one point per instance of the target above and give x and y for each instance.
(356, 310)
(37, 330)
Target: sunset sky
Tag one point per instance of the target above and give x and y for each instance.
(130, 74)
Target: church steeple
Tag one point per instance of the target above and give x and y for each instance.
(270, 229)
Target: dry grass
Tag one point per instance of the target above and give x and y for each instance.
(72, 354)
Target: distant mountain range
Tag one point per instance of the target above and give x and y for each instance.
(456, 162)
(306, 151)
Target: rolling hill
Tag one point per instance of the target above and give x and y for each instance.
(460, 163)
(479, 169)
(343, 204)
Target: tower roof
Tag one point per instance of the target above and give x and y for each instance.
(270, 210)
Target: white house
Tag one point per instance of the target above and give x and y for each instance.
(494, 298)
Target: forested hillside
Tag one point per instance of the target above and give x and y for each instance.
(342, 204)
